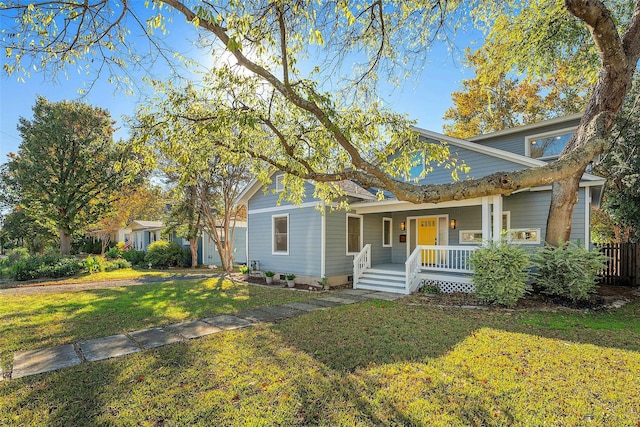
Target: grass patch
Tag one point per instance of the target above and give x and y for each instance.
(256, 377)
(373, 363)
(36, 321)
(381, 332)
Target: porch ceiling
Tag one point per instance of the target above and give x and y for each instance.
(395, 205)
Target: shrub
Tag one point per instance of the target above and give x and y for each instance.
(116, 264)
(113, 253)
(51, 265)
(22, 270)
(87, 245)
(165, 254)
(500, 273)
(134, 257)
(17, 254)
(94, 264)
(67, 266)
(430, 289)
(569, 271)
(269, 273)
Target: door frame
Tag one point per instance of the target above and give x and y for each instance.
(442, 222)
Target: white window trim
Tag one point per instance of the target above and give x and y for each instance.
(279, 183)
(525, 242)
(273, 235)
(390, 221)
(346, 233)
(506, 214)
(527, 145)
(469, 242)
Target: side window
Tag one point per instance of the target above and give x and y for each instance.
(280, 234)
(354, 234)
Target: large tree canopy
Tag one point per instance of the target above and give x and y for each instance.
(493, 100)
(67, 165)
(180, 126)
(324, 124)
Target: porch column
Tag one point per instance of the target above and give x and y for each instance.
(486, 219)
(497, 217)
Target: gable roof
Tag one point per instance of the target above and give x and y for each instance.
(353, 189)
(494, 152)
(138, 224)
(530, 126)
(350, 188)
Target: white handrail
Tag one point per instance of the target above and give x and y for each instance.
(361, 262)
(411, 266)
(449, 259)
(452, 259)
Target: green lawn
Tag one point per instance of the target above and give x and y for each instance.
(30, 322)
(373, 363)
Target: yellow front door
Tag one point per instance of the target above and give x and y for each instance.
(428, 235)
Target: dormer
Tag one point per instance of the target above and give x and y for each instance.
(548, 145)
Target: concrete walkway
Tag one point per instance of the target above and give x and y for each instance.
(33, 362)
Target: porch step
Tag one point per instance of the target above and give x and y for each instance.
(382, 280)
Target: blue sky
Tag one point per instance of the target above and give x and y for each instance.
(424, 97)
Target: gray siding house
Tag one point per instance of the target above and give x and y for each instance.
(396, 246)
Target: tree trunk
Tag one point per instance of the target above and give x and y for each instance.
(105, 244)
(563, 200)
(65, 242)
(193, 246)
(226, 258)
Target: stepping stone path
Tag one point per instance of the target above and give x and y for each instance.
(33, 362)
(154, 337)
(107, 347)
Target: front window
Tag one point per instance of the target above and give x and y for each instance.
(475, 236)
(386, 232)
(525, 236)
(547, 145)
(280, 235)
(354, 234)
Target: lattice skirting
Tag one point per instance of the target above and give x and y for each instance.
(449, 286)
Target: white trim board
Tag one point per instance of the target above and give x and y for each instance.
(286, 208)
(528, 127)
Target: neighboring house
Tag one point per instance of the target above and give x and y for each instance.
(143, 233)
(397, 246)
(210, 255)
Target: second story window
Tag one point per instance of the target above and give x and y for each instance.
(548, 145)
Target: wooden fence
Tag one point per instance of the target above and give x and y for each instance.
(623, 267)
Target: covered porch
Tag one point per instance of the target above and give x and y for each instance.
(430, 247)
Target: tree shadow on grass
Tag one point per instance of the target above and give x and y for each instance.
(244, 377)
(346, 338)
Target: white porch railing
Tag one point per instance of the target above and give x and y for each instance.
(361, 262)
(449, 259)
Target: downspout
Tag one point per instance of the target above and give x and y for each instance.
(323, 242)
(587, 218)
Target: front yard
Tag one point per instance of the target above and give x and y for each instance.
(371, 363)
